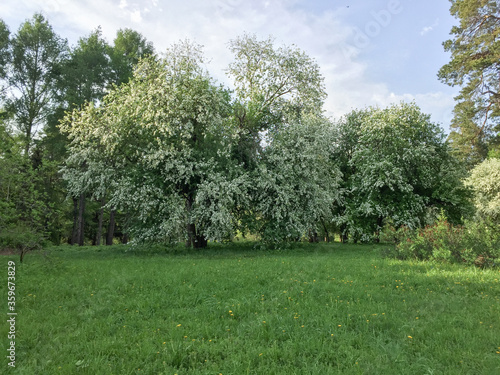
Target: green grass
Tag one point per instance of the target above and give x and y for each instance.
(315, 309)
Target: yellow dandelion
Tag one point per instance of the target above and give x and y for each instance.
(410, 337)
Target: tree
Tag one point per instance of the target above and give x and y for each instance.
(272, 85)
(36, 55)
(25, 214)
(86, 76)
(159, 144)
(4, 53)
(297, 182)
(485, 180)
(397, 166)
(475, 66)
(129, 47)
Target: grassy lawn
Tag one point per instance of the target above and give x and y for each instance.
(315, 309)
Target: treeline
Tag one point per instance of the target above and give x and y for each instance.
(106, 143)
(187, 159)
(42, 78)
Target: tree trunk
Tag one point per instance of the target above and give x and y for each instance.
(74, 234)
(193, 239)
(190, 228)
(111, 228)
(200, 242)
(380, 222)
(327, 235)
(81, 220)
(344, 237)
(99, 226)
(313, 237)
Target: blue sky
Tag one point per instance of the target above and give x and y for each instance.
(371, 52)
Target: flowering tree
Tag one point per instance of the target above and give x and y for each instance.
(397, 166)
(272, 85)
(298, 183)
(485, 180)
(160, 143)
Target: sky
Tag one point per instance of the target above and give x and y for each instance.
(371, 52)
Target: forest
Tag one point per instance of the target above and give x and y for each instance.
(107, 143)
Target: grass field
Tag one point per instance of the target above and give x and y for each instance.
(314, 309)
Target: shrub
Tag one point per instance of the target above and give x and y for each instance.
(21, 239)
(475, 243)
(482, 243)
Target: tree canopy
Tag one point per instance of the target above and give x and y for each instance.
(485, 181)
(396, 167)
(475, 66)
(157, 142)
(36, 54)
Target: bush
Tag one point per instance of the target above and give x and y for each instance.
(475, 243)
(482, 243)
(21, 239)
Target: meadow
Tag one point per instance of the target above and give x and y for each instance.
(233, 309)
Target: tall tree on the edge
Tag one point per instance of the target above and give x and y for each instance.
(86, 75)
(36, 54)
(4, 53)
(475, 66)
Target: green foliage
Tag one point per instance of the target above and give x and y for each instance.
(129, 47)
(21, 238)
(273, 81)
(296, 182)
(155, 143)
(396, 167)
(440, 241)
(86, 74)
(273, 86)
(25, 213)
(475, 67)
(4, 51)
(482, 240)
(37, 52)
(485, 181)
(475, 243)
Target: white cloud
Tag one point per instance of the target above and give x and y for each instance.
(135, 16)
(322, 35)
(428, 29)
